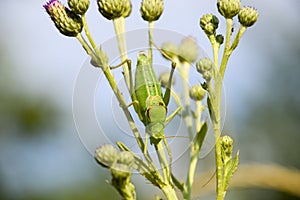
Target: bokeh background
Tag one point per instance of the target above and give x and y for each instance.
(41, 156)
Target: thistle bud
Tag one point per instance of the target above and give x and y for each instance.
(112, 9)
(120, 171)
(188, 50)
(170, 50)
(121, 175)
(65, 20)
(229, 8)
(209, 24)
(79, 6)
(164, 79)
(227, 144)
(126, 158)
(106, 155)
(226, 148)
(248, 16)
(197, 92)
(205, 67)
(220, 39)
(151, 10)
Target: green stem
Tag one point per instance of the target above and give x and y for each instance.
(191, 173)
(150, 32)
(163, 161)
(119, 25)
(227, 52)
(88, 34)
(218, 77)
(194, 154)
(169, 192)
(86, 46)
(184, 72)
(237, 38)
(216, 47)
(168, 189)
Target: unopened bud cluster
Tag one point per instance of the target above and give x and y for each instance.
(248, 16)
(197, 92)
(170, 50)
(187, 51)
(120, 168)
(209, 24)
(229, 8)
(227, 145)
(66, 20)
(151, 10)
(108, 156)
(79, 6)
(112, 9)
(205, 67)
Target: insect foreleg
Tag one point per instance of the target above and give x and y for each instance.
(168, 88)
(131, 87)
(122, 63)
(172, 116)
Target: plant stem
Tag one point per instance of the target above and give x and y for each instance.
(194, 154)
(119, 25)
(86, 47)
(227, 51)
(88, 34)
(163, 161)
(184, 72)
(216, 48)
(169, 192)
(150, 32)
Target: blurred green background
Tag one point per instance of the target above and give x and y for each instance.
(41, 157)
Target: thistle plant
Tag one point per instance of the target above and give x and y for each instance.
(151, 102)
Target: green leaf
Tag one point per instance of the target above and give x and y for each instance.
(200, 136)
(231, 169)
(210, 109)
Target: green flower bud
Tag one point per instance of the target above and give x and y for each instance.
(66, 21)
(151, 10)
(79, 6)
(248, 16)
(209, 24)
(170, 49)
(164, 79)
(197, 92)
(121, 175)
(112, 9)
(220, 39)
(188, 50)
(226, 149)
(120, 171)
(205, 67)
(126, 158)
(229, 8)
(106, 155)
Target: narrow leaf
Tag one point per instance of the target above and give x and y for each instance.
(200, 136)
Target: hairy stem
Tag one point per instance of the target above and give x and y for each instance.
(88, 34)
(119, 25)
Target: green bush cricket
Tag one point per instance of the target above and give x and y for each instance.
(149, 102)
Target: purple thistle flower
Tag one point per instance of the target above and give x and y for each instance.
(66, 21)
